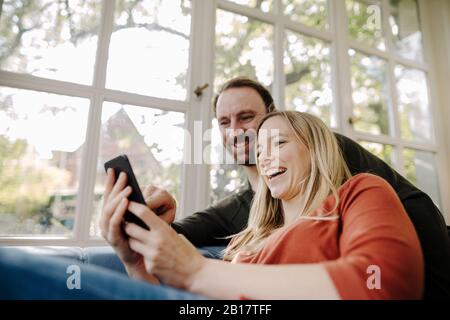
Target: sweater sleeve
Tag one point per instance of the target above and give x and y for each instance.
(380, 253)
(214, 225)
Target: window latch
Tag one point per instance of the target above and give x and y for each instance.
(199, 90)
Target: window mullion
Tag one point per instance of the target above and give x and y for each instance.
(342, 92)
(246, 11)
(195, 178)
(85, 199)
(279, 82)
(393, 110)
(104, 37)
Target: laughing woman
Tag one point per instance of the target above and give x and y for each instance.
(315, 232)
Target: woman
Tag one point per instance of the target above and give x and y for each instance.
(314, 232)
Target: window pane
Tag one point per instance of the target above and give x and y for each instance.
(364, 23)
(312, 13)
(382, 151)
(420, 169)
(406, 30)
(370, 93)
(225, 177)
(41, 141)
(149, 49)
(141, 134)
(52, 39)
(263, 5)
(244, 47)
(308, 75)
(414, 109)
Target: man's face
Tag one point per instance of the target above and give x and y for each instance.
(238, 113)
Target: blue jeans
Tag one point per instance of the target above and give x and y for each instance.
(30, 276)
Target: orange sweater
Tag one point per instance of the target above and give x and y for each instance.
(370, 252)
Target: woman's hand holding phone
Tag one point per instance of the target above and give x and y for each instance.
(167, 255)
(115, 205)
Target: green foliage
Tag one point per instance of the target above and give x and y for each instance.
(307, 72)
(13, 195)
(312, 13)
(362, 23)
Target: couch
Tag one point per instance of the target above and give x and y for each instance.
(103, 256)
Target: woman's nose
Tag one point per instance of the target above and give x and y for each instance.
(265, 158)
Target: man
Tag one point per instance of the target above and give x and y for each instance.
(239, 106)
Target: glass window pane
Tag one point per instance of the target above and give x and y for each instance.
(414, 109)
(382, 151)
(244, 47)
(370, 93)
(41, 141)
(149, 49)
(307, 70)
(263, 5)
(406, 29)
(312, 13)
(225, 176)
(51, 39)
(141, 134)
(365, 24)
(420, 169)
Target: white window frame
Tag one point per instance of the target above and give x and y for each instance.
(195, 186)
(97, 93)
(341, 78)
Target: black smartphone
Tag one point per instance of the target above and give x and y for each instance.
(119, 164)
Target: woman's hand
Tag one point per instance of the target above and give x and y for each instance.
(115, 203)
(167, 255)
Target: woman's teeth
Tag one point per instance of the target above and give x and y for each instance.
(276, 172)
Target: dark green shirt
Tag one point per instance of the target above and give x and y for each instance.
(212, 226)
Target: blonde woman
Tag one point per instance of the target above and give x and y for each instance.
(314, 231)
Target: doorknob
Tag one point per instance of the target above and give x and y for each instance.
(199, 90)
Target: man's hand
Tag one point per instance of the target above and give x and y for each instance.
(161, 202)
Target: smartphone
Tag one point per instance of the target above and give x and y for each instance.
(119, 164)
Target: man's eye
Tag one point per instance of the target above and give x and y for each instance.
(247, 118)
(223, 123)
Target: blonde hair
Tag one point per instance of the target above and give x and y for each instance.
(328, 171)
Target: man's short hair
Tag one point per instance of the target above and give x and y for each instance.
(244, 82)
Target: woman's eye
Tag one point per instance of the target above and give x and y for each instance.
(277, 143)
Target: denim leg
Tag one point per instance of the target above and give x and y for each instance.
(28, 276)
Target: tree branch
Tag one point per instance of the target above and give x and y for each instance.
(152, 27)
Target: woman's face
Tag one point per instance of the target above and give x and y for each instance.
(283, 160)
